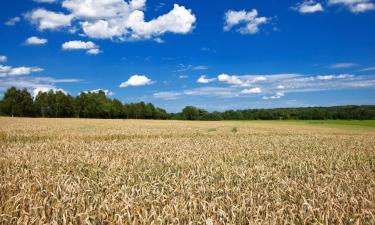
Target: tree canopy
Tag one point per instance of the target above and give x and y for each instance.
(58, 104)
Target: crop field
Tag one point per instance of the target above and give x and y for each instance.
(75, 171)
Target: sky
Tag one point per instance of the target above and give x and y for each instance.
(216, 55)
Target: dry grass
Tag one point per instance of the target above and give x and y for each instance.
(70, 171)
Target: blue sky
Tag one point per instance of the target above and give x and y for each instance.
(215, 55)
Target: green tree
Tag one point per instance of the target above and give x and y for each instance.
(190, 113)
(18, 103)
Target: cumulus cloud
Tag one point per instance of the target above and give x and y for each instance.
(13, 21)
(3, 58)
(252, 91)
(204, 80)
(48, 20)
(76, 45)
(36, 41)
(121, 20)
(229, 79)
(355, 6)
(250, 19)
(136, 80)
(91, 47)
(309, 6)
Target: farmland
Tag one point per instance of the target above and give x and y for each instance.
(80, 171)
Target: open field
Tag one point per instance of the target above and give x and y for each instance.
(329, 123)
(73, 171)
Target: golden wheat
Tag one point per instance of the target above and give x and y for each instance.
(72, 171)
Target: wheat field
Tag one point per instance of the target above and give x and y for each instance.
(75, 171)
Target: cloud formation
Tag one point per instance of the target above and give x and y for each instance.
(309, 6)
(48, 20)
(90, 46)
(136, 80)
(13, 21)
(17, 71)
(272, 86)
(355, 6)
(255, 90)
(250, 19)
(204, 80)
(115, 19)
(3, 58)
(36, 41)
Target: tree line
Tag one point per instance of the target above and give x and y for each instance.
(57, 104)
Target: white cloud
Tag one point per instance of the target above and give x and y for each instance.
(309, 6)
(48, 20)
(13, 21)
(250, 19)
(179, 20)
(159, 40)
(4, 70)
(243, 81)
(355, 6)
(36, 41)
(343, 65)
(3, 58)
(363, 7)
(273, 86)
(136, 80)
(94, 51)
(204, 80)
(229, 79)
(45, 1)
(77, 45)
(99, 9)
(16, 71)
(32, 83)
(331, 77)
(278, 95)
(126, 20)
(91, 47)
(252, 91)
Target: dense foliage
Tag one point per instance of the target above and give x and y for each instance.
(97, 105)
